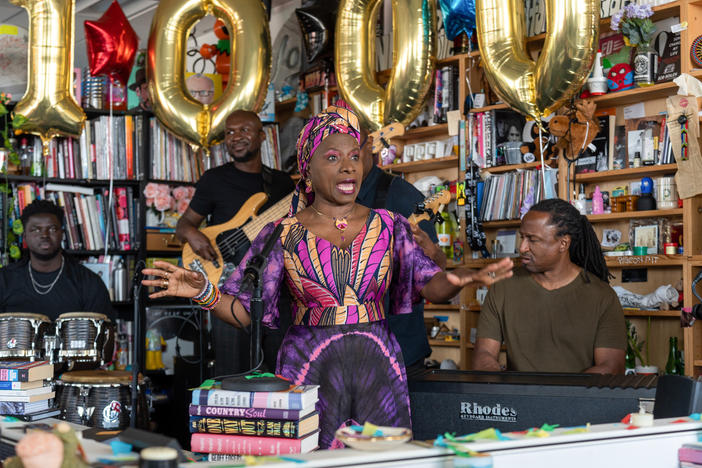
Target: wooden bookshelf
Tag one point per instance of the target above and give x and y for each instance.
(603, 218)
(489, 108)
(633, 261)
(423, 165)
(512, 167)
(423, 132)
(440, 307)
(632, 172)
(502, 223)
(449, 344)
(652, 313)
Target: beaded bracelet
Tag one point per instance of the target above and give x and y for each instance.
(208, 297)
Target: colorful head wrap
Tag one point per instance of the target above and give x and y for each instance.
(333, 119)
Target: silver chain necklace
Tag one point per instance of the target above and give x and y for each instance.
(48, 287)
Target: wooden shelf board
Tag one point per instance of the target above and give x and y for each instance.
(424, 165)
(483, 262)
(502, 223)
(489, 108)
(635, 95)
(421, 132)
(633, 173)
(448, 344)
(652, 313)
(511, 167)
(279, 105)
(446, 307)
(69, 181)
(697, 362)
(628, 261)
(603, 218)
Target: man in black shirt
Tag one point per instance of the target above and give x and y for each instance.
(220, 193)
(382, 190)
(48, 282)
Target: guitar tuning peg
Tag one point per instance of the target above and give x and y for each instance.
(419, 208)
(437, 218)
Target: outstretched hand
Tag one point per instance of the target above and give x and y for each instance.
(173, 280)
(483, 277)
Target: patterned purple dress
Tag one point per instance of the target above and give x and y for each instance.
(339, 338)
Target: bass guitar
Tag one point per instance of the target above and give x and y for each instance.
(232, 239)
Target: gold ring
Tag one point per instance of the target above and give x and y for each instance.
(164, 284)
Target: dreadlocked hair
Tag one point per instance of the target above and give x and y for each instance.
(585, 250)
(41, 207)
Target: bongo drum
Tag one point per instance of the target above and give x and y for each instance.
(84, 337)
(99, 398)
(22, 335)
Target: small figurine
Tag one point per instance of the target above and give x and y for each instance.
(620, 77)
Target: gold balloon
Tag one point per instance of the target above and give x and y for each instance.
(198, 123)
(537, 88)
(413, 60)
(48, 104)
(572, 38)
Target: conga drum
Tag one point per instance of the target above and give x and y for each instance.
(22, 335)
(99, 398)
(86, 340)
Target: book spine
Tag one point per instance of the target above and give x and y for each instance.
(287, 400)
(247, 427)
(243, 445)
(14, 375)
(231, 412)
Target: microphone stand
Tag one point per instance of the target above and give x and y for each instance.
(135, 344)
(253, 276)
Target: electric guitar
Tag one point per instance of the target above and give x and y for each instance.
(431, 207)
(231, 240)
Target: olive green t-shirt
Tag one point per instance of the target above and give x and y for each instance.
(552, 331)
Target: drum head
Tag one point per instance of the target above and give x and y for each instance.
(83, 315)
(24, 315)
(97, 377)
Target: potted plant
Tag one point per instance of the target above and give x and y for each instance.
(634, 22)
(634, 349)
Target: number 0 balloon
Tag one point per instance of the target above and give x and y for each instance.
(413, 59)
(537, 88)
(198, 123)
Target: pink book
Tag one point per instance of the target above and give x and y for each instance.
(251, 445)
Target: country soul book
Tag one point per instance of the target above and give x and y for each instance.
(252, 413)
(256, 427)
(296, 397)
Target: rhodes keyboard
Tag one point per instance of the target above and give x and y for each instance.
(465, 401)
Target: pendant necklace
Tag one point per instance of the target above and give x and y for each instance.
(341, 223)
(45, 287)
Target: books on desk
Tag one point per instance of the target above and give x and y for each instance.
(254, 423)
(24, 390)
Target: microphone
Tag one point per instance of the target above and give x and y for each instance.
(256, 263)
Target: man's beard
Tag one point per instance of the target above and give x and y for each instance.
(245, 158)
(44, 257)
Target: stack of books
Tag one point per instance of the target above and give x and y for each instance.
(26, 390)
(254, 423)
(690, 455)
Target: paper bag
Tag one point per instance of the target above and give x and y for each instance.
(690, 171)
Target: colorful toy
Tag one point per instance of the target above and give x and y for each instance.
(620, 77)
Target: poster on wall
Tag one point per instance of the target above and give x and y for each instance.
(288, 53)
(13, 60)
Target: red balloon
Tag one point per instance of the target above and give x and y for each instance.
(112, 44)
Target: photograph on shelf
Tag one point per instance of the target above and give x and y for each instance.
(506, 242)
(647, 233)
(508, 127)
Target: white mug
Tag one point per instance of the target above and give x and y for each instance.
(419, 150)
(408, 153)
(430, 150)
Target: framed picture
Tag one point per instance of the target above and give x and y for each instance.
(647, 236)
(506, 242)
